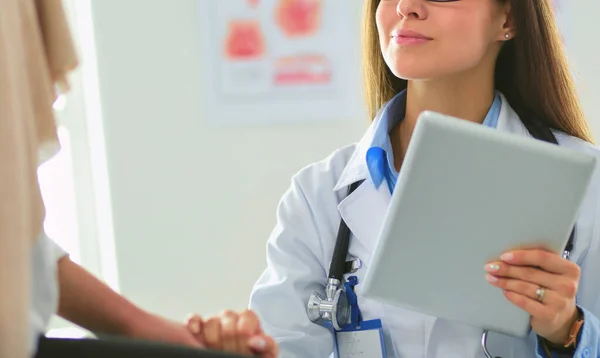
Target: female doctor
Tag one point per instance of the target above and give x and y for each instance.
(495, 62)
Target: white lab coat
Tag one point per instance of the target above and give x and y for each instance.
(301, 246)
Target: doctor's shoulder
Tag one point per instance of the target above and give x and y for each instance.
(583, 146)
(311, 198)
(322, 176)
(578, 144)
(589, 216)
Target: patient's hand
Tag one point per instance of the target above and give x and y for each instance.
(234, 332)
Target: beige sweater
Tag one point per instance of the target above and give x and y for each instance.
(36, 54)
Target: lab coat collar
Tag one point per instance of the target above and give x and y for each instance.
(356, 169)
(509, 120)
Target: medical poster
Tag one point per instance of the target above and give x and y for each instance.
(281, 60)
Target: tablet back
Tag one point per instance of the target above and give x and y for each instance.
(466, 194)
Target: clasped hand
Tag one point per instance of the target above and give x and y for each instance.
(235, 333)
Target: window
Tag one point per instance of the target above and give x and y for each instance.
(56, 182)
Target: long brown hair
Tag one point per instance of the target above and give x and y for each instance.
(531, 71)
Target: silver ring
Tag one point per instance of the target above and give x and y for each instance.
(540, 293)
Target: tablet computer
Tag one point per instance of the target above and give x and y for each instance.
(467, 193)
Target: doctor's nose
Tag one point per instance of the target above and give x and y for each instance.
(411, 9)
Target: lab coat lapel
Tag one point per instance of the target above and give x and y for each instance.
(509, 121)
(364, 211)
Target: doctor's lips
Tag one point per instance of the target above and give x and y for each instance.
(409, 37)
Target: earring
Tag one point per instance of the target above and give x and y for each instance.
(507, 36)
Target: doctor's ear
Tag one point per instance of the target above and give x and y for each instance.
(509, 26)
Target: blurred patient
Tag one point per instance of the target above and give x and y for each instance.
(89, 303)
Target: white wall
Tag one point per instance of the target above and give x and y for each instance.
(584, 54)
(194, 204)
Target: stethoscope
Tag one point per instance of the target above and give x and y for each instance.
(338, 306)
(335, 307)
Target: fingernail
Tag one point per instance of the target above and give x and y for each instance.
(491, 278)
(258, 343)
(194, 327)
(227, 320)
(507, 256)
(492, 267)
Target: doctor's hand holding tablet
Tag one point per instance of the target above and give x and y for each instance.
(543, 284)
(400, 245)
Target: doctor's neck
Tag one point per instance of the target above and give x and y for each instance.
(466, 97)
(462, 96)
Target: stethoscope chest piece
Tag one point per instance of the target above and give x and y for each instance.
(334, 307)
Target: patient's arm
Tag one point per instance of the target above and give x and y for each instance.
(91, 304)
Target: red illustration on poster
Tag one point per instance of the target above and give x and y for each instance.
(244, 40)
(298, 17)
